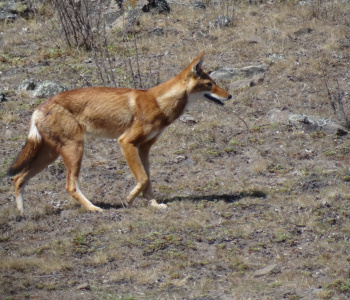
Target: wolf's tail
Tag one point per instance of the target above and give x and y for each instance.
(29, 151)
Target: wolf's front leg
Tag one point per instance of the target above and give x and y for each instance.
(148, 192)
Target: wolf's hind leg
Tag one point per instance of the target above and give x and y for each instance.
(44, 157)
(72, 154)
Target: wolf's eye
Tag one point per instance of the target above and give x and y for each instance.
(209, 84)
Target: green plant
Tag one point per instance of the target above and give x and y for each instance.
(329, 153)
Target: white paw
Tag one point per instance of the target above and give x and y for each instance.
(95, 209)
(155, 204)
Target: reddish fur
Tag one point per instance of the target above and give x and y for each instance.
(27, 154)
(136, 117)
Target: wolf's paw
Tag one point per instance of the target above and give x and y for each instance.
(95, 209)
(155, 204)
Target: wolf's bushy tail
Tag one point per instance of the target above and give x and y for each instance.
(24, 158)
(29, 151)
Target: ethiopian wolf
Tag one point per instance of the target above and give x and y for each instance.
(136, 117)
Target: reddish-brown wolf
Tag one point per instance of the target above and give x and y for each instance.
(136, 117)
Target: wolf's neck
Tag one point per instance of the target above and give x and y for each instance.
(171, 97)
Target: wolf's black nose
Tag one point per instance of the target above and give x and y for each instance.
(229, 97)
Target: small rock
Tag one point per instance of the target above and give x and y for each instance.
(156, 6)
(199, 4)
(246, 72)
(265, 271)
(220, 21)
(157, 31)
(83, 286)
(199, 34)
(186, 118)
(2, 97)
(341, 132)
(303, 31)
(305, 2)
(28, 85)
(240, 84)
(276, 57)
(179, 158)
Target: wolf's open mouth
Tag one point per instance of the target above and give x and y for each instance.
(217, 101)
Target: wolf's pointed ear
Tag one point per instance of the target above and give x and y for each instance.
(198, 62)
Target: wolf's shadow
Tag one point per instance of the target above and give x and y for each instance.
(228, 198)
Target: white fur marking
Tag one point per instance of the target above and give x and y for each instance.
(19, 201)
(132, 101)
(33, 132)
(80, 193)
(200, 95)
(153, 134)
(195, 96)
(154, 204)
(217, 97)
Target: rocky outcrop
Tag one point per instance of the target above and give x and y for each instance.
(11, 9)
(43, 89)
(227, 73)
(307, 123)
(156, 6)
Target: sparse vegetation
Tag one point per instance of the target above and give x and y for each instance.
(240, 200)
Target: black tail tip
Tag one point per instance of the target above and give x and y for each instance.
(12, 171)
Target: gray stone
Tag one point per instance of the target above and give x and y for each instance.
(11, 9)
(303, 31)
(158, 31)
(2, 97)
(156, 6)
(304, 2)
(199, 34)
(226, 73)
(306, 123)
(220, 21)
(28, 85)
(311, 124)
(48, 89)
(265, 271)
(240, 84)
(186, 118)
(199, 4)
(276, 57)
(83, 286)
